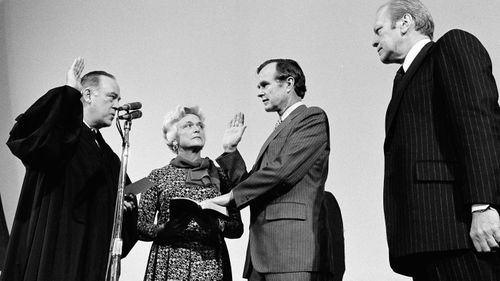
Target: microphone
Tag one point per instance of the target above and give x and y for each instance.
(132, 115)
(130, 106)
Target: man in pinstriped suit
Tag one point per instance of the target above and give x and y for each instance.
(442, 149)
(285, 187)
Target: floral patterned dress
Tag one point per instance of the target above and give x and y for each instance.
(193, 258)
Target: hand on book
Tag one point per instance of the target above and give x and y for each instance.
(171, 230)
(222, 200)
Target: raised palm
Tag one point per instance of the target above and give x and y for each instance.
(234, 132)
(74, 75)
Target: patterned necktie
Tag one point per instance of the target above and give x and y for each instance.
(277, 123)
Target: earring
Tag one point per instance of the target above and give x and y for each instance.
(175, 146)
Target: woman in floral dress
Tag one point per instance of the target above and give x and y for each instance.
(186, 248)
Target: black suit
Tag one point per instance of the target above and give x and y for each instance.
(442, 149)
(332, 239)
(4, 235)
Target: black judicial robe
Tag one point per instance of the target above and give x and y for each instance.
(64, 218)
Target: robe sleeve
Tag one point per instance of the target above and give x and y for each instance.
(47, 131)
(129, 230)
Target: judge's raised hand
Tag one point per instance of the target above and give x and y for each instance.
(485, 230)
(74, 75)
(234, 132)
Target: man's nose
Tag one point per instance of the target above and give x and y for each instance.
(375, 42)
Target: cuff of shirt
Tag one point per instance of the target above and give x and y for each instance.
(479, 207)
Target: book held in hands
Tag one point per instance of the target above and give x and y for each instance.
(180, 206)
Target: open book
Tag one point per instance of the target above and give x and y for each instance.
(181, 205)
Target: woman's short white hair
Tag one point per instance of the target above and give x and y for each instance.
(170, 123)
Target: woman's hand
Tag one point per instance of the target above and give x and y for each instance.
(171, 230)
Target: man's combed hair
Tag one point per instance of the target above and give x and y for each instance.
(288, 68)
(93, 78)
(423, 19)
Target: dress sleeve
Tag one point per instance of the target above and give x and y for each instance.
(48, 130)
(149, 205)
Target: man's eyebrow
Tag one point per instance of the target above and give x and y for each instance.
(262, 83)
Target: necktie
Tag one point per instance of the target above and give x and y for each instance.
(390, 109)
(277, 123)
(98, 137)
(399, 76)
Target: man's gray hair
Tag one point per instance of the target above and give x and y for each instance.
(93, 78)
(423, 19)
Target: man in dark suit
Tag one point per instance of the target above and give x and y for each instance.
(442, 149)
(285, 187)
(332, 243)
(4, 236)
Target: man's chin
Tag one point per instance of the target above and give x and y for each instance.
(269, 109)
(387, 60)
(107, 124)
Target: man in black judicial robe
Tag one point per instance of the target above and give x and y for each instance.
(64, 219)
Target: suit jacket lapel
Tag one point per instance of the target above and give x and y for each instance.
(397, 92)
(276, 131)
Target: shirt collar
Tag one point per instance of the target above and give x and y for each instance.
(290, 109)
(412, 54)
(92, 129)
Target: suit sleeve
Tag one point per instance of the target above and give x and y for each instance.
(233, 166)
(303, 146)
(233, 227)
(43, 134)
(471, 97)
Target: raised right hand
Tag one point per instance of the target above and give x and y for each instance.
(234, 132)
(73, 77)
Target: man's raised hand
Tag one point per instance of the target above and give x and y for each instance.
(234, 132)
(74, 75)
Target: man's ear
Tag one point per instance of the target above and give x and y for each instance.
(406, 22)
(290, 83)
(86, 95)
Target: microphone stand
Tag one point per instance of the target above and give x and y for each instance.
(115, 249)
